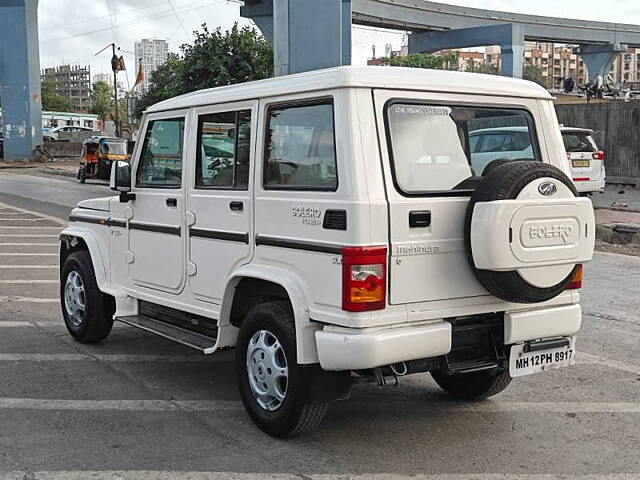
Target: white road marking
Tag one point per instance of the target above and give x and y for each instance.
(176, 475)
(27, 254)
(18, 299)
(24, 219)
(19, 323)
(81, 357)
(607, 362)
(33, 228)
(29, 235)
(23, 244)
(28, 266)
(236, 405)
(26, 282)
(42, 215)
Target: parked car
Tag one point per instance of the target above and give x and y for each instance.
(586, 159)
(331, 228)
(489, 144)
(53, 133)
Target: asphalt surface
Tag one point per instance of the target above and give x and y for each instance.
(141, 407)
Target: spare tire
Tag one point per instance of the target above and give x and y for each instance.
(507, 182)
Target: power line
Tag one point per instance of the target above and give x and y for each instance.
(207, 3)
(178, 17)
(101, 17)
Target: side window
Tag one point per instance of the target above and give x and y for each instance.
(222, 159)
(160, 164)
(300, 147)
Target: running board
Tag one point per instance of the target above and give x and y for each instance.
(191, 339)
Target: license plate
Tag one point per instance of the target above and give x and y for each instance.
(527, 363)
(581, 163)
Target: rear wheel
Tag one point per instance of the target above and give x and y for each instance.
(88, 313)
(473, 386)
(272, 386)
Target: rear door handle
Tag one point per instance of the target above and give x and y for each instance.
(236, 206)
(172, 202)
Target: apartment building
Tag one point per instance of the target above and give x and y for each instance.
(103, 77)
(152, 53)
(72, 82)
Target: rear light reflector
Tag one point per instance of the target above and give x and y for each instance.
(576, 281)
(364, 278)
(581, 179)
(598, 155)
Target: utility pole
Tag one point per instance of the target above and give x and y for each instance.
(115, 67)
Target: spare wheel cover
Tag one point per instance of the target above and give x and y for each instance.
(522, 180)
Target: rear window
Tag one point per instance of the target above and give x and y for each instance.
(578, 142)
(437, 148)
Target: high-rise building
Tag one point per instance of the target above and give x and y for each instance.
(103, 77)
(72, 82)
(153, 53)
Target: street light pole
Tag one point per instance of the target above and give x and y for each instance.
(114, 67)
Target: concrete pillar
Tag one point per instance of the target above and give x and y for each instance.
(513, 53)
(306, 34)
(20, 78)
(599, 58)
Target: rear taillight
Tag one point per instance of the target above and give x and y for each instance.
(576, 281)
(598, 155)
(364, 278)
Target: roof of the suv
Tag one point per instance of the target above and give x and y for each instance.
(365, 77)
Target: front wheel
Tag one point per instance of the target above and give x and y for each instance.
(88, 313)
(474, 385)
(273, 388)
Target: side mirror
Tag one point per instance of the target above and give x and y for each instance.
(120, 180)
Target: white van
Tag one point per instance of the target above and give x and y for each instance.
(330, 227)
(586, 159)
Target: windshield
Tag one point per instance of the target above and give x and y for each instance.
(439, 148)
(114, 148)
(578, 142)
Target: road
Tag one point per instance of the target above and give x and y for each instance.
(138, 406)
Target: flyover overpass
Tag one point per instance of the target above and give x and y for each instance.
(304, 31)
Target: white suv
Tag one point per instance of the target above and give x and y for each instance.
(586, 159)
(330, 227)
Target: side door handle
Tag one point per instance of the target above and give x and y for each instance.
(236, 206)
(172, 202)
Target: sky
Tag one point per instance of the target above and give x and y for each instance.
(73, 31)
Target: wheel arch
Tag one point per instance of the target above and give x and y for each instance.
(72, 240)
(271, 284)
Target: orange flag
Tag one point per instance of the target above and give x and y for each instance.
(140, 75)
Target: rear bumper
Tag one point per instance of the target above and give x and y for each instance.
(546, 323)
(357, 349)
(590, 186)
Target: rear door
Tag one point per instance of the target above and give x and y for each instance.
(155, 227)
(426, 159)
(219, 207)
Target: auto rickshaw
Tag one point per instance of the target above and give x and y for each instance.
(97, 155)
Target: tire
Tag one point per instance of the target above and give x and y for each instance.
(505, 182)
(96, 321)
(473, 386)
(493, 164)
(296, 413)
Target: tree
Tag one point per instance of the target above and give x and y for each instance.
(214, 59)
(533, 73)
(485, 68)
(421, 60)
(51, 100)
(101, 100)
